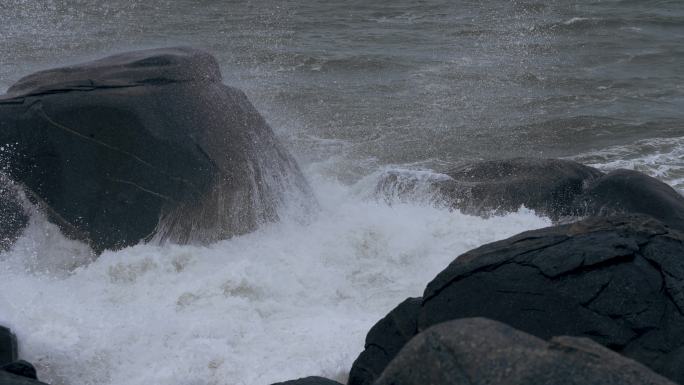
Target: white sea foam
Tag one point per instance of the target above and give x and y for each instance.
(662, 158)
(287, 301)
(576, 20)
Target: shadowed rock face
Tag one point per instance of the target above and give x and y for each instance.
(476, 351)
(8, 346)
(548, 186)
(146, 145)
(627, 191)
(616, 280)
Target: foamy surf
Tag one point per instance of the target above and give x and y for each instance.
(289, 300)
(657, 157)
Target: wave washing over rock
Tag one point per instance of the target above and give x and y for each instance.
(286, 301)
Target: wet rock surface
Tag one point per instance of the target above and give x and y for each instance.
(562, 190)
(627, 191)
(616, 280)
(548, 186)
(145, 145)
(475, 351)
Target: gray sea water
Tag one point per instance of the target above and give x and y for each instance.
(352, 88)
(431, 83)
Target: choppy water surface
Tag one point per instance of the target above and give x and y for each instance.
(352, 88)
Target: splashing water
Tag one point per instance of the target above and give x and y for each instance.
(662, 158)
(287, 301)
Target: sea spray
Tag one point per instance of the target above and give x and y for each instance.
(288, 300)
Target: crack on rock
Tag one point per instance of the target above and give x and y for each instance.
(378, 347)
(511, 291)
(664, 276)
(65, 89)
(89, 139)
(598, 293)
(487, 268)
(668, 278)
(110, 147)
(137, 186)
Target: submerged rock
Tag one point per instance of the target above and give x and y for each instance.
(309, 381)
(479, 351)
(548, 186)
(616, 280)
(7, 378)
(146, 145)
(562, 190)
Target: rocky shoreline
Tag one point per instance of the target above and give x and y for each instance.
(150, 145)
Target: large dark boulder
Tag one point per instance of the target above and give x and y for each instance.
(617, 280)
(13, 216)
(146, 145)
(384, 341)
(310, 381)
(8, 346)
(479, 351)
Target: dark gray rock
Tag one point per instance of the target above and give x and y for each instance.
(384, 341)
(13, 215)
(548, 186)
(617, 280)
(309, 381)
(563, 190)
(146, 145)
(21, 368)
(7, 378)
(627, 191)
(8, 346)
(479, 351)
